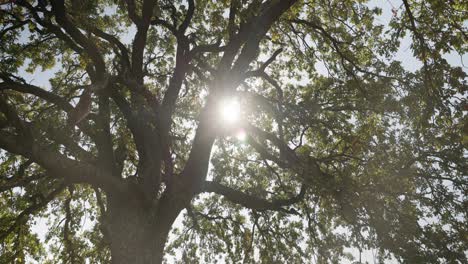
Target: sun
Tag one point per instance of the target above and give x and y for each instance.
(230, 110)
(230, 115)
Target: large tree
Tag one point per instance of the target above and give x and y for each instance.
(279, 131)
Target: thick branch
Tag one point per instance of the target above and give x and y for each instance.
(271, 12)
(139, 42)
(37, 91)
(51, 27)
(286, 152)
(265, 154)
(179, 194)
(12, 116)
(215, 47)
(233, 9)
(76, 150)
(188, 17)
(251, 201)
(57, 164)
(198, 159)
(131, 10)
(58, 7)
(47, 96)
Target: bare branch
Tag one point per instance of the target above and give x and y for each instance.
(271, 59)
(421, 40)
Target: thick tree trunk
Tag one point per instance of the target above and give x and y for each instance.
(136, 234)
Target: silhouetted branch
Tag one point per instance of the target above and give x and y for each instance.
(251, 201)
(24, 215)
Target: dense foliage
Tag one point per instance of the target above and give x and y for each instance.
(342, 149)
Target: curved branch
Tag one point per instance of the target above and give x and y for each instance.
(47, 96)
(58, 165)
(250, 201)
(23, 216)
(51, 27)
(58, 8)
(265, 154)
(285, 151)
(271, 59)
(37, 91)
(114, 41)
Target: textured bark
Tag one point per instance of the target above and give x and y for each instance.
(136, 234)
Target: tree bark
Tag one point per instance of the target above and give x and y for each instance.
(135, 233)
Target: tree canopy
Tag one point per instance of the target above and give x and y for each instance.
(276, 131)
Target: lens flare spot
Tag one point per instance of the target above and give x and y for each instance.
(241, 135)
